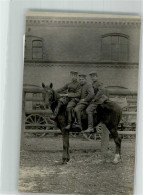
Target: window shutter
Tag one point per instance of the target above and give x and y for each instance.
(106, 52)
(115, 47)
(37, 49)
(37, 53)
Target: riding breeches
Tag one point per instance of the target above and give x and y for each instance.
(70, 103)
(69, 109)
(91, 109)
(64, 100)
(78, 109)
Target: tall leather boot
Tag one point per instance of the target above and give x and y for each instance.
(78, 119)
(68, 127)
(90, 128)
(58, 108)
(56, 112)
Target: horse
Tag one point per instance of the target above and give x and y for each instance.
(109, 113)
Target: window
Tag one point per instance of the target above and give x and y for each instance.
(115, 47)
(37, 49)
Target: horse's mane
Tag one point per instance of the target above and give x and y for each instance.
(56, 96)
(55, 99)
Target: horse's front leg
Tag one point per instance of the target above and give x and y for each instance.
(66, 155)
(117, 140)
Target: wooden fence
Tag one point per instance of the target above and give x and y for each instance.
(32, 97)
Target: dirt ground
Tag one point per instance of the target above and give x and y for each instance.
(86, 173)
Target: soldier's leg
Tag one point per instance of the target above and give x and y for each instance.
(62, 101)
(90, 111)
(78, 109)
(69, 109)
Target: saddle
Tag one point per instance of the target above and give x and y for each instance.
(121, 101)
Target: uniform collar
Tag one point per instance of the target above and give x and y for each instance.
(95, 81)
(84, 84)
(74, 81)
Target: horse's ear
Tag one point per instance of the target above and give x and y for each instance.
(51, 85)
(43, 85)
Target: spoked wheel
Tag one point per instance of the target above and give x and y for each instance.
(89, 136)
(37, 122)
(98, 131)
(74, 134)
(94, 136)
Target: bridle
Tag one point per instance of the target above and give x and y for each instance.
(53, 97)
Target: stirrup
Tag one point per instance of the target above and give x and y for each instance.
(78, 126)
(89, 130)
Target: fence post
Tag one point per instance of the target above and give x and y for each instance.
(104, 140)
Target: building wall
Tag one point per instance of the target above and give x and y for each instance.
(59, 75)
(75, 44)
(79, 43)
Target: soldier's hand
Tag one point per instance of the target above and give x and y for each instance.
(82, 100)
(64, 95)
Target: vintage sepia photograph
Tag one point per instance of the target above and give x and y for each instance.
(79, 109)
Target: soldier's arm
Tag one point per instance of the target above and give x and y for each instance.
(99, 92)
(77, 94)
(65, 87)
(90, 94)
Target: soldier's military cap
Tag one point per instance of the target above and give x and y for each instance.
(93, 74)
(82, 76)
(74, 72)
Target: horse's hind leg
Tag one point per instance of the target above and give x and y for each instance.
(117, 140)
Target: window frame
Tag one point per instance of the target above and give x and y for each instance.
(37, 47)
(119, 53)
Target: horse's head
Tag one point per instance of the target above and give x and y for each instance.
(49, 95)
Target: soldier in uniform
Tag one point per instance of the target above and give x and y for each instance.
(71, 98)
(86, 96)
(98, 99)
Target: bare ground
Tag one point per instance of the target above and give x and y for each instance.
(86, 173)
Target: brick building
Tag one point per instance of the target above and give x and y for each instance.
(56, 45)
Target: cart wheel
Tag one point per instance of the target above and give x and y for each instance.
(36, 121)
(74, 134)
(94, 136)
(89, 136)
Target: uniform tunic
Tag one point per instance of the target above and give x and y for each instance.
(87, 93)
(74, 91)
(99, 98)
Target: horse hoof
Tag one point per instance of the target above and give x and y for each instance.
(65, 161)
(117, 159)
